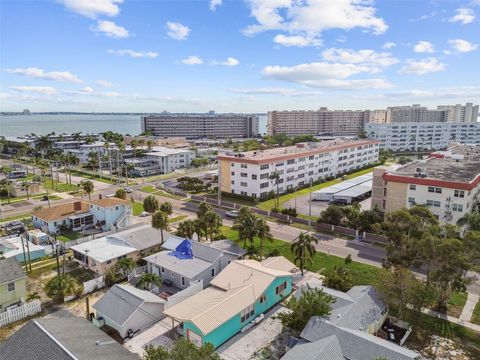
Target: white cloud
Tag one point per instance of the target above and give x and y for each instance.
(313, 17)
(87, 89)
(192, 60)
(424, 47)
(462, 92)
(133, 53)
(4, 95)
(214, 4)
(44, 90)
(389, 45)
(462, 45)
(110, 29)
(368, 57)
(296, 40)
(38, 73)
(327, 75)
(177, 31)
(231, 61)
(93, 8)
(104, 83)
(423, 66)
(463, 15)
(276, 91)
(111, 94)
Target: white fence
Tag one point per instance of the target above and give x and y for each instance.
(92, 285)
(20, 312)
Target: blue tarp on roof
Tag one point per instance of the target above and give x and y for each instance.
(184, 250)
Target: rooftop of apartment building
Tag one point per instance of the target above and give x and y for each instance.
(282, 153)
(467, 151)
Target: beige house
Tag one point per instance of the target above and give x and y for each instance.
(19, 190)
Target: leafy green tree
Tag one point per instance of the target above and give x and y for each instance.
(88, 187)
(167, 208)
(124, 266)
(121, 194)
(211, 222)
(304, 249)
(338, 278)
(203, 208)
(332, 215)
(201, 161)
(61, 286)
(182, 350)
(472, 245)
(313, 302)
(186, 229)
(147, 280)
(352, 215)
(470, 220)
(369, 218)
(150, 204)
(160, 222)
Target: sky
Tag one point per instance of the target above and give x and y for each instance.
(237, 55)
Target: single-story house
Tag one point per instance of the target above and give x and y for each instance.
(101, 254)
(347, 333)
(19, 190)
(128, 310)
(143, 237)
(105, 213)
(62, 336)
(38, 237)
(13, 283)
(12, 247)
(239, 294)
(203, 261)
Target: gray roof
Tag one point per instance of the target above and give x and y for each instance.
(327, 348)
(228, 246)
(142, 237)
(205, 252)
(354, 344)
(62, 336)
(10, 270)
(172, 242)
(186, 267)
(356, 309)
(122, 301)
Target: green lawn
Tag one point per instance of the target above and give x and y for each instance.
(68, 236)
(476, 314)
(456, 303)
(362, 274)
(177, 218)
(17, 217)
(60, 187)
(90, 176)
(82, 275)
(269, 204)
(137, 208)
(168, 195)
(148, 189)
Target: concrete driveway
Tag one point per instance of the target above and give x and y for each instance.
(151, 336)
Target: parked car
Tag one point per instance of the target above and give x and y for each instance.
(339, 202)
(232, 214)
(144, 214)
(128, 190)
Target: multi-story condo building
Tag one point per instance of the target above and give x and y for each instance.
(460, 113)
(448, 182)
(413, 136)
(160, 160)
(376, 116)
(200, 126)
(248, 173)
(316, 122)
(414, 113)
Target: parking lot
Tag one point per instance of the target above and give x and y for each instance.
(301, 203)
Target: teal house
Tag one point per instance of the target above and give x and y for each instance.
(240, 293)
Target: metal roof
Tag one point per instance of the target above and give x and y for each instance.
(186, 267)
(335, 188)
(356, 191)
(104, 249)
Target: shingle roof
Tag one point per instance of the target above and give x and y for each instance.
(228, 246)
(186, 267)
(61, 211)
(58, 335)
(10, 270)
(323, 349)
(109, 202)
(205, 252)
(354, 344)
(142, 237)
(122, 301)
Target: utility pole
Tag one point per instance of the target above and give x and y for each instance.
(219, 191)
(56, 253)
(25, 233)
(24, 255)
(310, 205)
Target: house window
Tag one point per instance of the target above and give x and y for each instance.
(254, 177)
(244, 184)
(232, 173)
(262, 299)
(243, 166)
(171, 274)
(459, 194)
(264, 166)
(413, 187)
(11, 287)
(243, 174)
(213, 272)
(247, 313)
(109, 262)
(411, 201)
(292, 161)
(280, 288)
(162, 269)
(457, 207)
(183, 281)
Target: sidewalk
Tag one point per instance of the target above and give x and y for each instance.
(452, 319)
(467, 311)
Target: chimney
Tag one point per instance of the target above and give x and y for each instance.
(77, 206)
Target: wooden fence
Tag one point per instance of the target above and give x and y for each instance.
(21, 312)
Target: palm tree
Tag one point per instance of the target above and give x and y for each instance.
(160, 222)
(211, 222)
(124, 266)
(147, 280)
(263, 232)
(150, 204)
(305, 245)
(26, 185)
(150, 144)
(106, 146)
(186, 229)
(275, 177)
(43, 143)
(61, 286)
(6, 185)
(167, 208)
(88, 187)
(134, 145)
(245, 224)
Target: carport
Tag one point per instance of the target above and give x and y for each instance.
(358, 192)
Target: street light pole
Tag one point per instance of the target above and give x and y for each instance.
(310, 205)
(219, 190)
